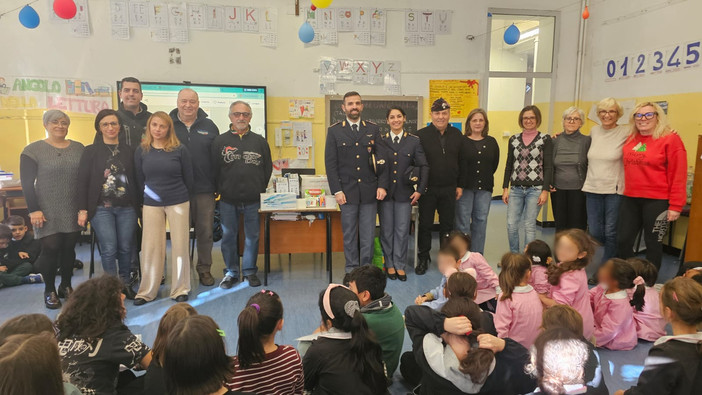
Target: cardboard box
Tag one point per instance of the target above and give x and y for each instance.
(315, 198)
(278, 201)
(313, 182)
(294, 183)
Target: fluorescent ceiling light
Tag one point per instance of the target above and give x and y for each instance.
(528, 34)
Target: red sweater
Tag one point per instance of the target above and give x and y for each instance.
(656, 169)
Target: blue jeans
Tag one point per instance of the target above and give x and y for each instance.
(230, 236)
(472, 211)
(602, 214)
(522, 211)
(114, 228)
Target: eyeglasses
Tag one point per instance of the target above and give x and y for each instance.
(240, 114)
(572, 120)
(56, 122)
(106, 124)
(528, 118)
(605, 112)
(649, 115)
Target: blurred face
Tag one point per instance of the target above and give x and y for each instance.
(572, 122)
(444, 262)
(240, 115)
(567, 251)
(353, 107)
(688, 273)
(18, 231)
(188, 104)
(529, 120)
(363, 297)
(58, 128)
(396, 120)
(440, 119)
(646, 120)
(130, 95)
(608, 117)
(477, 123)
(459, 245)
(4, 243)
(158, 129)
(109, 126)
(604, 276)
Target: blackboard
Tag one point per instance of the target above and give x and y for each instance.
(375, 108)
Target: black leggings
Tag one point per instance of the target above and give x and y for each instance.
(57, 250)
(635, 214)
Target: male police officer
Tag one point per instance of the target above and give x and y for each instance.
(348, 157)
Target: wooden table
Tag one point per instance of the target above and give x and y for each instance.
(287, 237)
(9, 192)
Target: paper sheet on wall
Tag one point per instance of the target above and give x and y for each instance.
(391, 77)
(462, 95)
(426, 21)
(344, 19)
(269, 40)
(442, 21)
(326, 26)
(376, 72)
(344, 69)
(80, 24)
(119, 19)
(361, 26)
(158, 20)
(301, 108)
(302, 133)
(303, 152)
(411, 21)
(251, 20)
(196, 16)
(138, 14)
(232, 19)
(360, 71)
(280, 164)
(269, 27)
(178, 22)
(215, 18)
(378, 27)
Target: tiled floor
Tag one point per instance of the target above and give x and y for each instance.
(298, 281)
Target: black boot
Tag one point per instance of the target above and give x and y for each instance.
(421, 266)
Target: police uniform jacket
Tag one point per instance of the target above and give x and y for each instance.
(349, 164)
(397, 160)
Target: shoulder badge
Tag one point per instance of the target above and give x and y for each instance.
(334, 124)
(343, 124)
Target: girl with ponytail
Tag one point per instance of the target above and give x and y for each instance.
(345, 358)
(674, 363)
(615, 327)
(262, 366)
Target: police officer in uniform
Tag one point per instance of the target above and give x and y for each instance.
(402, 155)
(351, 171)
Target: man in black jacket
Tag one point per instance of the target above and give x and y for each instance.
(444, 147)
(197, 132)
(242, 166)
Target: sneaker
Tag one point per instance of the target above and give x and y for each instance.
(33, 279)
(228, 282)
(253, 280)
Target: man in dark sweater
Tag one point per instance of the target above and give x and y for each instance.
(444, 147)
(197, 132)
(23, 244)
(242, 167)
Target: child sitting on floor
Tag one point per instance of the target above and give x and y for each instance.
(650, 325)
(615, 328)
(485, 276)
(447, 259)
(519, 308)
(13, 270)
(23, 243)
(539, 253)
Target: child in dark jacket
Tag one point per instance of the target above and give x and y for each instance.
(23, 243)
(13, 270)
(674, 363)
(451, 350)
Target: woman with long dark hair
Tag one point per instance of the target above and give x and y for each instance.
(345, 358)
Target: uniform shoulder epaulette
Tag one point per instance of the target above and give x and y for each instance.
(408, 134)
(371, 122)
(334, 124)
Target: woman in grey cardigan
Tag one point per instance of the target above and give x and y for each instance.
(49, 175)
(569, 171)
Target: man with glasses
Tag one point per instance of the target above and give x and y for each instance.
(242, 166)
(197, 132)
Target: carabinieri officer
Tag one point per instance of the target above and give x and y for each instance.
(402, 155)
(348, 157)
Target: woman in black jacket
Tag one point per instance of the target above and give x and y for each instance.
(455, 358)
(108, 198)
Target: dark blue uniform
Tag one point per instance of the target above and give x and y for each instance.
(350, 170)
(397, 160)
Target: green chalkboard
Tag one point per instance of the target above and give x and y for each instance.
(375, 108)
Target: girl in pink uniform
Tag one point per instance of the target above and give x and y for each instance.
(485, 276)
(574, 249)
(615, 328)
(650, 325)
(519, 308)
(539, 253)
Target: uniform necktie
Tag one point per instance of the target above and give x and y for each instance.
(396, 140)
(354, 127)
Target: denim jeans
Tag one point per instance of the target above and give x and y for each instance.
(230, 236)
(114, 228)
(522, 211)
(472, 211)
(602, 214)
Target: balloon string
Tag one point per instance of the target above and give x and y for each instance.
(18, 8)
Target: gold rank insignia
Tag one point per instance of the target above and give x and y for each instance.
(414, 179)
(381, 162)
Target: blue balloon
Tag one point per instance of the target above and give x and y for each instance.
(28, 17)
(306, 33)
(512, 35)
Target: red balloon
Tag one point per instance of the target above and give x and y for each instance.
(65, 9)
(586, 13)
(313, 7)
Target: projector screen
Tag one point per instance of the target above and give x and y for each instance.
(214, 100)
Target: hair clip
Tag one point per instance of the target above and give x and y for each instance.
(675, 296)
(351, 307)
(536, 259)
(265, 291)
(256, 306)
(221, 333)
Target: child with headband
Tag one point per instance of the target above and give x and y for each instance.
(345, 358)
(262, 366)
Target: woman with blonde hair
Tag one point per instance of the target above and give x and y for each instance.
(164, 175)
(655, 172)
(604, 183)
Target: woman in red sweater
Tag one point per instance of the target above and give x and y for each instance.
(655, 171)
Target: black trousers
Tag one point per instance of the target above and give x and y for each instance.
(638, 213)
(443, 200)
(569, 209)
(57, 250)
